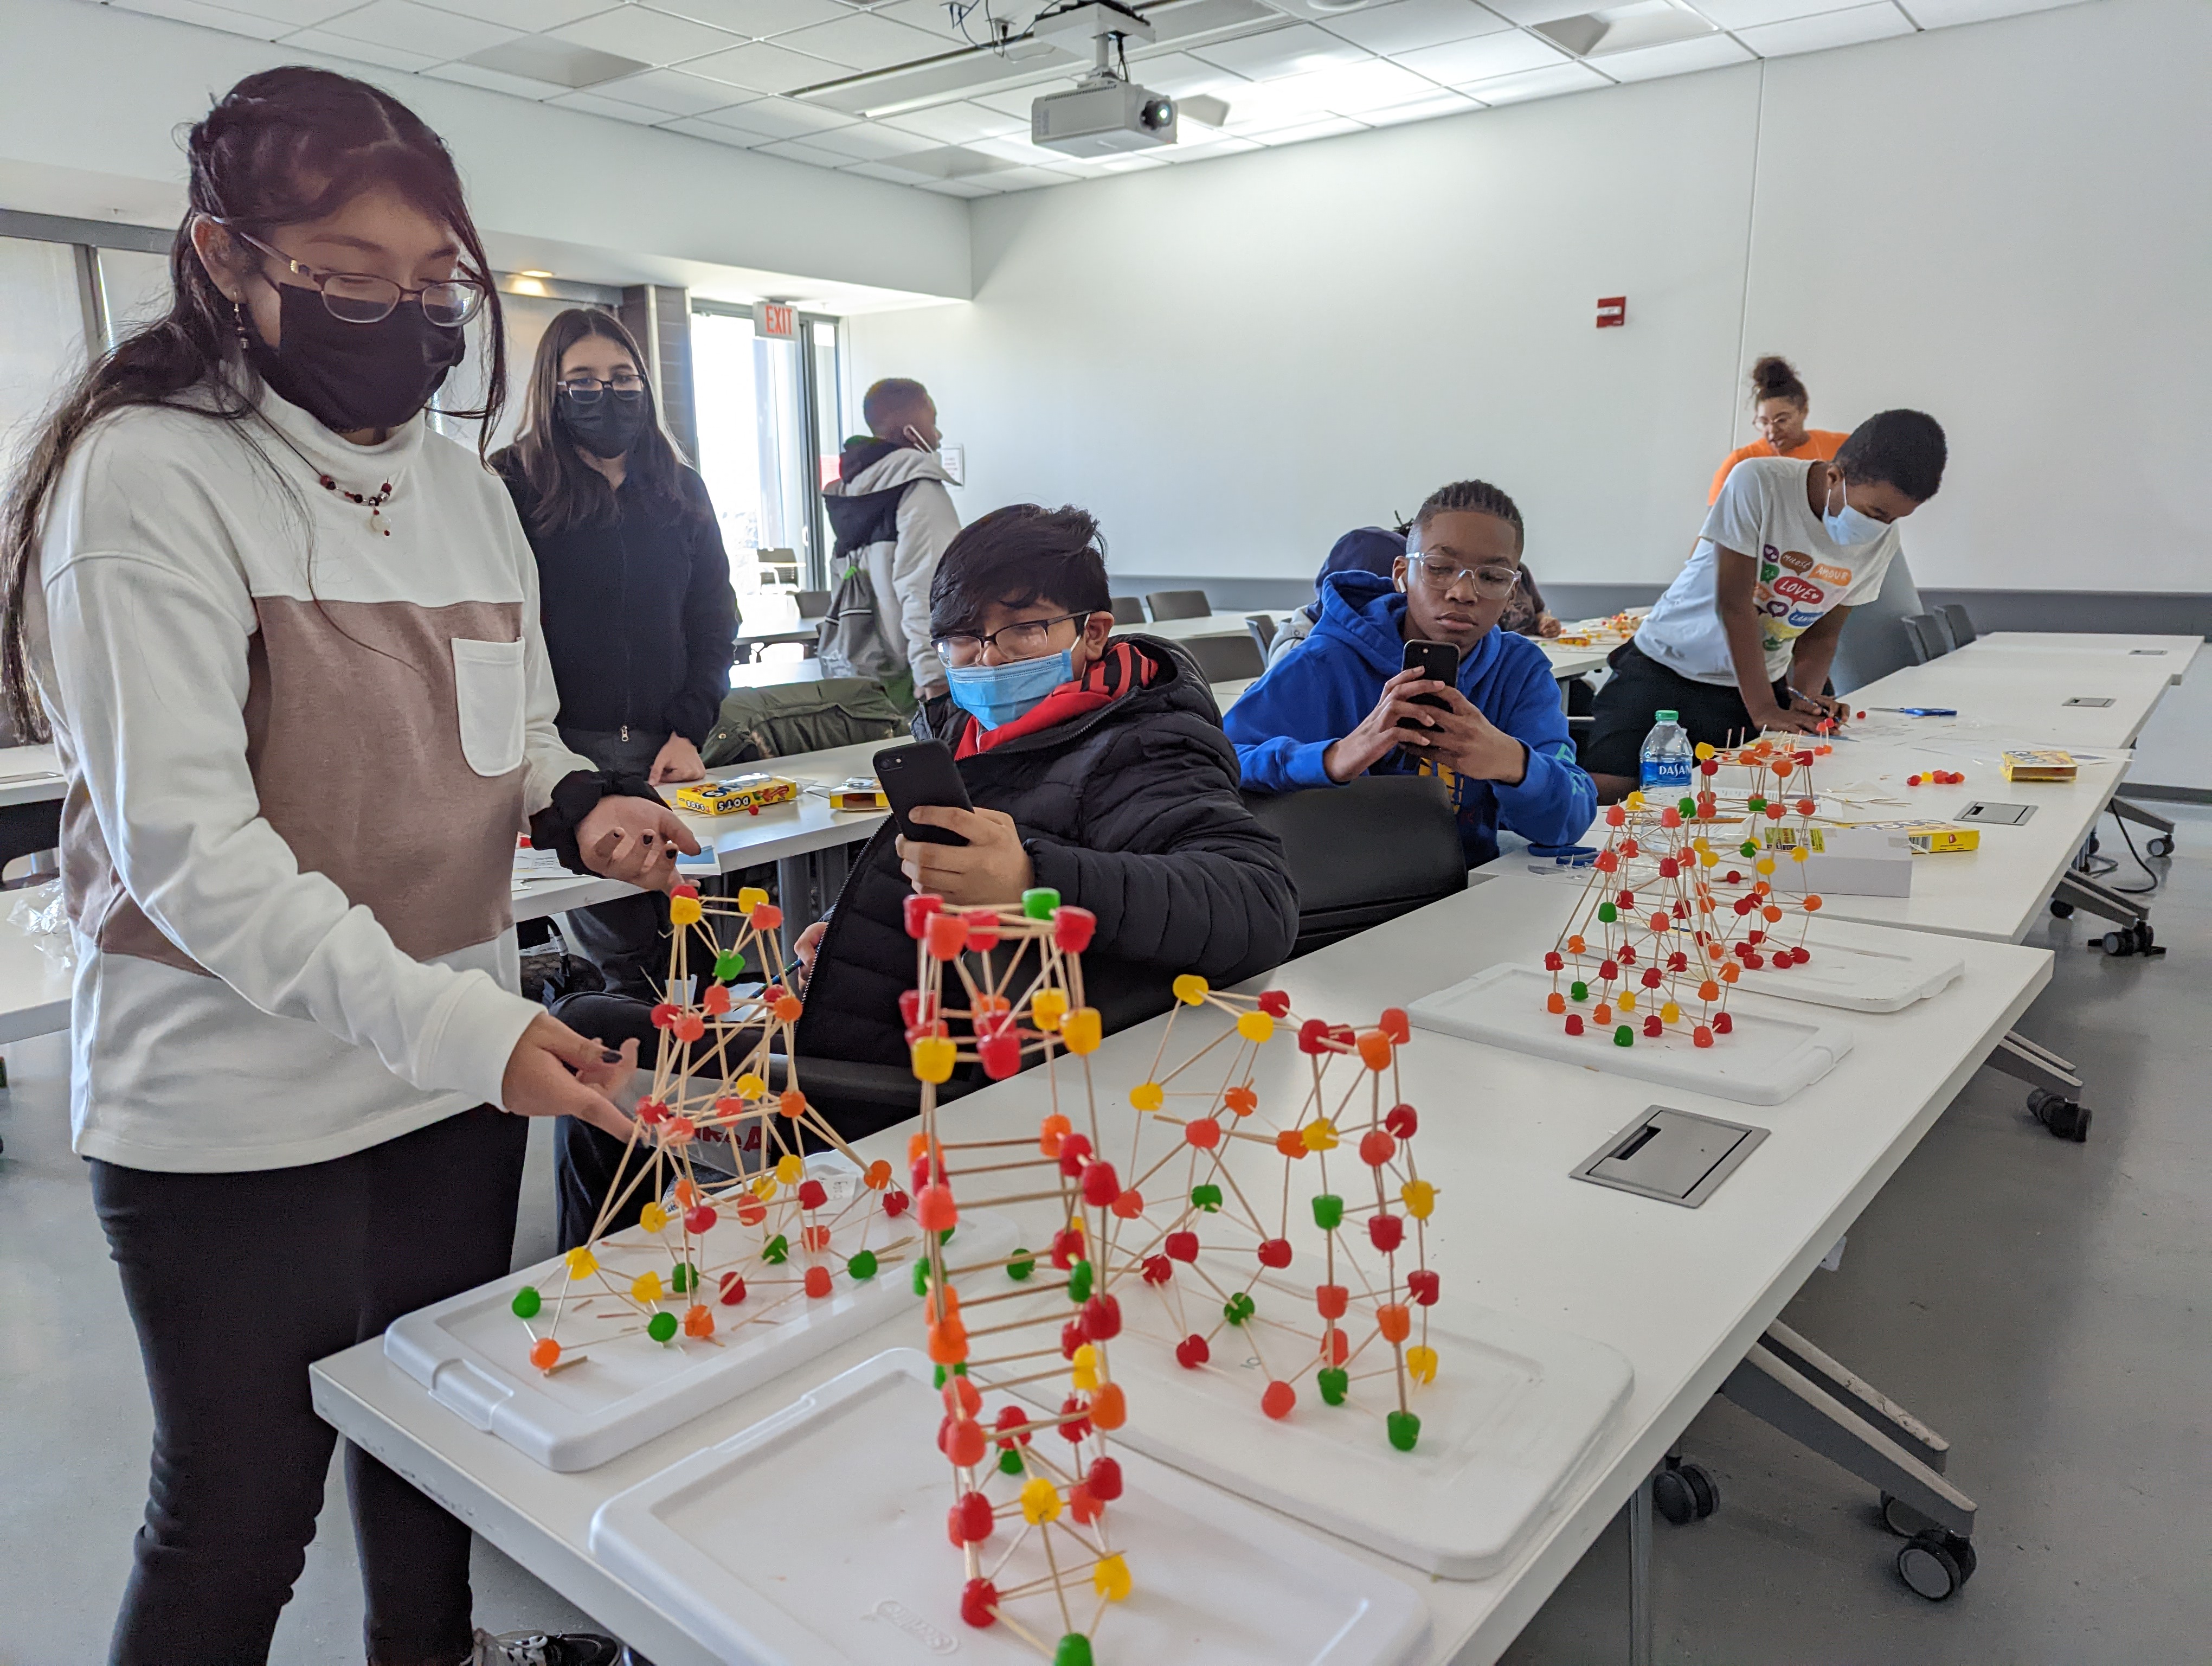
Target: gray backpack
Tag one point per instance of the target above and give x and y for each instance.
(853, 640)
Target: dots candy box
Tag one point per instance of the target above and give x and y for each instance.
(2040, 764)
(749, 793)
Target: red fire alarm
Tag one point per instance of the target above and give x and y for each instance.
(1612, 311)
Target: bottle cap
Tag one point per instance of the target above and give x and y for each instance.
(1668, 717)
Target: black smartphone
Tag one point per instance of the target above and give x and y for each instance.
(1439, 663)
(923, 773)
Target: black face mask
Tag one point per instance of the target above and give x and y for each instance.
(605, 423)
(352, 376)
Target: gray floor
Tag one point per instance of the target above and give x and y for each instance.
(2042, 1305)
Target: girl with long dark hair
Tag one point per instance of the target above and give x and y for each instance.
(638, 612)
(288, 641)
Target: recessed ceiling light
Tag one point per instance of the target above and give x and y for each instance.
(532, 272)
(1624, 27)
(563, 63)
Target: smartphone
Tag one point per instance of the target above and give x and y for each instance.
(923, 773)
(1439, 663)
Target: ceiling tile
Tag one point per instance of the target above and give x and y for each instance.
(1541, 11)
(1317, 129)
(1425, 109)
(359, 52)
(1352, 90)
(434, 35)
(597, 104)
(1179, 75)
(761, 68)
(650, 36)
(1016, 101)
(952, 187)
(698, 127)
(865, 42)
(889, 171)
(1679, 57)
(305, 14)
(567, 65)
(1835, 29)
(1016, 148)
(1547, 83)
(960, 124)
(934, 17)
(492, 81)
(1941, 14)
(1482, 58)
(755, 19)
(529, 15)
(871, 142)
(1225, 144)
(1750, 13)
(1027, 178)
(1407, 26)
(674, 92)
(210, 17)
(778, 119)
(799, 150)
(1282, 52)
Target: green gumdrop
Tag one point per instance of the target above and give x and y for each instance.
(776, 1250)
(1328, 1212)
(728, 965)
(1606, 912)
(1074, 1649)
(1334, 1381)
(958, 1371)
(945, 1237)
(684, 1277)
(1404, 1429)
(1206, 1197)
(1754, 803)
(527, 1302)
(1022, 1265)
(1578, 990)
(1040, 901)
(921, 1278)
(862, 1264)
(1010, 1463)
(1688, 806)
(1237, 1309)
(1079, 1282)
(1748, 848)
(660, 1326)
(1624, 1036)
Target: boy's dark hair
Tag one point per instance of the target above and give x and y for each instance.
(1018, 556)
(1904, 447)
(888, 405)
(1771, 378)
(1478, 496)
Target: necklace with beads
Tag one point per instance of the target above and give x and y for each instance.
(373, 501)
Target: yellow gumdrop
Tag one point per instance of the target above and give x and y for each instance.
(1040, 1500)
(1703, 750)
(1763, 865)
(1670, 1013)
(1255, 1026)
(764, 1187)
(1319, 1135)
(653, 1217)
(1084, 1372)
(1419, 1198)
(1800, 852)
(933, 1057)
(1627, 1001)
(1047, 1008)
(1189, 989)
(1083, 1030)
(1634, 800)
(1111, 1577)
(791, 1168)
(1421, 1365)
(749, 898)
(645, 1287)
(684, 911)
(582, 1264)
(1147, 1096)
(1709, 859)
(1701, 844)
(749, 1087)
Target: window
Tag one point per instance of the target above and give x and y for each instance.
(42, 298)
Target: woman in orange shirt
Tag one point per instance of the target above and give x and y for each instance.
(1778, 404)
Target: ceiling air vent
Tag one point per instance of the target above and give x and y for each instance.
(1625, 28)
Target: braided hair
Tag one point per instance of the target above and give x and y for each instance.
(1479, 497)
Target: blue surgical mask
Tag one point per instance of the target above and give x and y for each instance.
(999, 694)
(1849, 526)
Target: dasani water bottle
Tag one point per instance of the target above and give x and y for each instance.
(1667, 759)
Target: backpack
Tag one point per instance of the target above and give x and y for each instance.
(785, 718)
(852, 640)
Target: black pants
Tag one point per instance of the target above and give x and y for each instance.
(1639, 689)
(236, 1283)
(626, 939)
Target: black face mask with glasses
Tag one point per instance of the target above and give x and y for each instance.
(604, 417)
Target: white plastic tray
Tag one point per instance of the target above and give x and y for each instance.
(818, 1536)
(1515, 1409)
(1770, 1057)
(470, 1352)
(1908, 967)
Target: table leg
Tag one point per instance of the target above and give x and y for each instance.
(1639, 1575)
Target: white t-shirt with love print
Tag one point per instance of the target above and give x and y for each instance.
(1802, 575)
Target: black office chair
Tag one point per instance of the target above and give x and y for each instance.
(1226, 659)
(1128, 610)
(1178, 605)
(1925, 638)
(1962, 626)
(1407, 841)
(1262, 627)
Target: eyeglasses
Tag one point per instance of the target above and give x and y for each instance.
(587, 390)
(1025, 641)
(364, 298)
(1441, 574)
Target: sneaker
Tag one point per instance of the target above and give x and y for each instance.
(543, 1649)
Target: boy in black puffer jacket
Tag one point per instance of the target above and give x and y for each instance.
(1098, 767)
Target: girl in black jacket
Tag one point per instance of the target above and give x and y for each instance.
(634, 587)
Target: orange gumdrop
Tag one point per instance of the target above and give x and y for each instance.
(878, 1177)
(1601, 1014)
(1290, 1143)
(788, 1007)
(698, 1322)
(791, 1102)
(1375, 1050)
(1811, 905)
(1770, 913)
(687, 1192)
(1241, 1099)
(544, 1353)
(816, 1239)
(1555, 1002)
(1575, 945)
(1395, 1320)
(1730, 972)
(1708, 990)
(1049, 1133)
(917, 1148)
(948, 1343)
(1109, 1410)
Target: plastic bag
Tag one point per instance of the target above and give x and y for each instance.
(40, 914)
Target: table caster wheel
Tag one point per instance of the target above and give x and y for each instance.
(1684, 1492)
(2159, 845)
(2062, 910)
(1935, 1564)
(2067, 1119)
(2120, 944)
(2146, 939)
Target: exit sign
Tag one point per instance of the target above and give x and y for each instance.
(775, 321)
(1612, 311)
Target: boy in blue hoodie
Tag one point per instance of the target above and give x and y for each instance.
(1334, 710)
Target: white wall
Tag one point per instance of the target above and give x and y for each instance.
(2007, 224)
(94, 97)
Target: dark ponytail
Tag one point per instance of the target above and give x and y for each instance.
(281, 148)
(1771, 378)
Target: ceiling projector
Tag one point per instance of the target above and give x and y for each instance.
(1105, 113)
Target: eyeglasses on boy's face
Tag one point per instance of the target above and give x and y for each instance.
(365, 298)
(587, 390)
(1026, 639)
(1442, 574)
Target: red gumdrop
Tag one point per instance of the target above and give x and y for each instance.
(766, 916)
(934, 1209)
(1072, 928)
(1104, 1480)
(1753, 959)
(1275, 1253)
(1678, 961)
(1722, 1024)
(1181, 1246)
(1075, 1427)
(1386, 1232)
(1278, 1399)
(1083, 1504)
(688, 1027)
(1129, 1205)
(1702, 1035)
(1421, 1285)
(1339, 1347)
(697, 1221)
(817, 1282)
(1396, 1023)
(916, 912)
(1653, 1027)
(1402, 1120)
(716, 1000)
(1554, 961)
(979, 1597)
(1313, 1035)
(1628, 954)
(1192, 1352)
(970, 1521)
(1066, 1249)
(1202, 1131)
(1000, 1053)
(1376, 1147)
(1157, 1269)
(963, 1441)
(1615, 815)
(1074, 1153)
(1711, 766)
(1102, 1318)
(1670, 816)
(664, 1016)
(982, 929)
(1275, 1003)
(1101, 1185)
(734, 1290)
(1607, 861)
(910, 1007)
(918, 1173)
(650, 1111)
(1072, 1338)
(1332, 1299)
(895, 1202)
(1573, 1024)
(945, 936)
(812, 1195)
(1653, 977)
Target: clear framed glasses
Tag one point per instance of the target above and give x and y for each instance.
(587, 390)
(365, 298)
(1025, 641)
(1443, 575)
